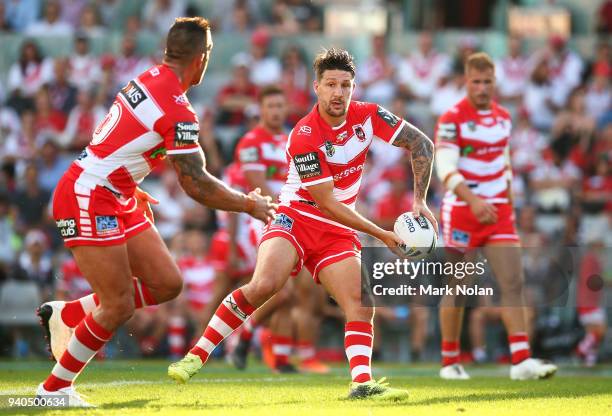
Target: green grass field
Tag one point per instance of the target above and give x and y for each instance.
(142, 388)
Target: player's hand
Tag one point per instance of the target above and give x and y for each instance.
(392, 241)
(419, 207)
(144, 201)
(263, 208)
(484, 212)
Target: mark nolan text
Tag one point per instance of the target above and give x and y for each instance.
(429, 290)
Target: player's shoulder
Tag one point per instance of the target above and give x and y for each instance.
(363, 108)
(455, 114)
(502, 111)
(165, 89)
(306, 129)
(253, 137)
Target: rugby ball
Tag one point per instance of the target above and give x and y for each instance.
(418, 235)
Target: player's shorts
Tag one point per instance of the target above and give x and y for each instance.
(95, 217)
(461, 229)
(219, 254)
(318, 245)
(591, 316)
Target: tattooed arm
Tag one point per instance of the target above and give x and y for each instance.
(422, 151)
(200, 185)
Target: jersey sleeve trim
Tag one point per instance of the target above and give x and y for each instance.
(318, 181)
(183, 151)
(399, 128)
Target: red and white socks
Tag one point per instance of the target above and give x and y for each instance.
(248, 330)
(358, 346)
(75, 311)
(232, 312)
(281, 348)
(88, 338)
(450, 352)
(177, 328)
(306, 351)
(519, 347)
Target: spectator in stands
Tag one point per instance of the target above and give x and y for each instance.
(241, 20)
(10, 129)
(566, 68)
(61, 91)
(169, 218)
(376, 75)
(450, 93)
(537, 99)
(89, 23)
(512, 72)
(307, 14)
(238, 94)
(526, 144)
(85, 71)
(82, 121)
(72, 10)
(5, 26)
(27, 75)
(9, 240)
(48, 121)
(20, 14)
(282, 21)
(51, 165)
(109, 11)
(23, 145)
(34, 263)
(129, 64)
(30, 200)
(265, 69)
(159, 15)
(604, 17)
(423, 70)
(296, 82)
(208, 141)
(598, 98)
(574, 128)
(50, 25)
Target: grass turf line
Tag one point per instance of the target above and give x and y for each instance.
(142, 388)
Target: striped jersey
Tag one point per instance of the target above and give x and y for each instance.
(261, 150)
(318, 152)
(481, 136)
(150, 117)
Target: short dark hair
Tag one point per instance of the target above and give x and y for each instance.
(186, 38)
(333, 58)
(269, 90)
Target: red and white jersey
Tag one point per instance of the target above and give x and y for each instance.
(422, 72)
(481, 136)
(199, 276)
(512, 75)
(150, 117)
(263, 151)
(318, 152)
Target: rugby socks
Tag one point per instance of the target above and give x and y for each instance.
(519, 347)
(450, 353)
(177, 328)
(232, 312)
(75, 311)
(88, 338)
(281, 348)
(305, 350)
(589, 344)
(248, 329)
(358, 345)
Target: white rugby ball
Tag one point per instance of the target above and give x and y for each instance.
(418, 235)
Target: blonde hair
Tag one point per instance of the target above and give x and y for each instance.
(479, 61)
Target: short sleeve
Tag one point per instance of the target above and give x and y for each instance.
(248, 153)
(446, 132)
(309, 161)
(385, 125)
(181, 133)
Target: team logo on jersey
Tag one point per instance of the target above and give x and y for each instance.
(460, 237)
(154, 72)
(387, 116)
(467, 150)
(133, 94)
(248, 155)
(107, 225)
(471, 125)
(358, 130)
(181, 99)
(305, 130)
(282, 221)
(341, 137)
(307, 164)
(186, 133)
(330, 150)
(67, 227)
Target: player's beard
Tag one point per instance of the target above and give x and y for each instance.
(336, 113)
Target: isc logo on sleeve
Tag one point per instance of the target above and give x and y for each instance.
(133, 94)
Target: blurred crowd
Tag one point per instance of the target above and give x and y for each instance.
(561, 141)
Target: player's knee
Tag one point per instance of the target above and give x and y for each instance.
(172, 288)
(512, 288)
